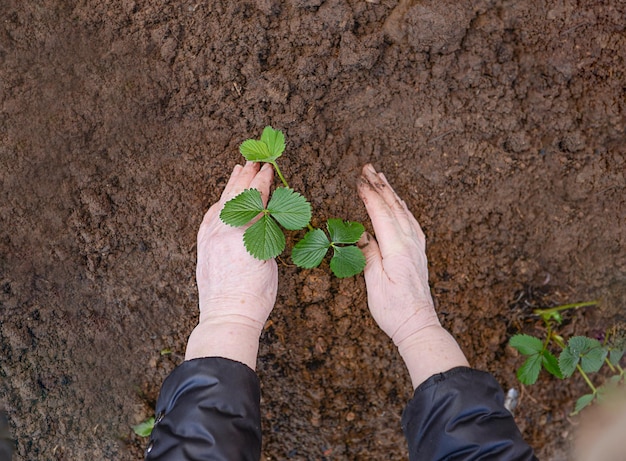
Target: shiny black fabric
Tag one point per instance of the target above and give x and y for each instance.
(6, 444)
(460, 415)
(208, 409)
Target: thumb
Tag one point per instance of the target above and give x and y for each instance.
(369, 247)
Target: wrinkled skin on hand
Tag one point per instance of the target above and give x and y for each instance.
(396, 275)
(233, 286)
(236, 291)
(397, 270)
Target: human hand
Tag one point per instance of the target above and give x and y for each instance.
(396, 275)
(236, 291)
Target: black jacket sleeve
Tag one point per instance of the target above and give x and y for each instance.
(208, 409)
(6, 444)
(460, 415)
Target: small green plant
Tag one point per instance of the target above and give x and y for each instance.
(264, 239)
(144, 429)
(579, 354)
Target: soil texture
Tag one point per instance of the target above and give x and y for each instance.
(500, 122)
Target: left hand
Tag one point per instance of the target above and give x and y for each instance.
(236, 291)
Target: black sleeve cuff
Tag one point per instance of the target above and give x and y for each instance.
(460, 415)
(6, 444)
(208, 408)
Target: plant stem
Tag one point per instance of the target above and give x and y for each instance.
(280, 174)
(564, 307)
(608, 362)
(558, 340)
(548, 335)
(587, 380)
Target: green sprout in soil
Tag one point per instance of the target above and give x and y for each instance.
(144, 429)
(579, 354)
(264, 239)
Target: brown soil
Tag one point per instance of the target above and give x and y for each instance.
(502, 124)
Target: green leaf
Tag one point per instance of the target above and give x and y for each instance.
(275, 141)
(344, 231)
(526, 344)
(557, 317)
(264, 239)
(289, 208)
(242, 209)
(567, 362)
(615, 355)
(581, 344)
(551, 364)
(529, 371)
(310, 251)
(593, 360)
(583, 402)
(144, 429)
(589, 351)
(347, 261)
(255, 151)
(268, 149)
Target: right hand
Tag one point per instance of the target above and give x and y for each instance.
(396, 273)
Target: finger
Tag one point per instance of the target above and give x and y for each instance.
(385, 190)
(262, 182)
(373, 257)
(416, 225)
(391, 227)
(231, 181)
(385, 224)
(227, 194)
(398, 205)
(390, 196)
(243, 180)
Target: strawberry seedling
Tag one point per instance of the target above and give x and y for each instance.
(579, 354)
(264, 239)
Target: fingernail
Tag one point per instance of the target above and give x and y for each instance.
(248, 163)
(265, 166)
(370, 168)
(363, 185)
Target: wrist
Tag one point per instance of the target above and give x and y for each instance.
(243, 309)
(218, 320)
(229, 338)
(422, 318)
(429, 351)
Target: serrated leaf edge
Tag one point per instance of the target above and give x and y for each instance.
(269, 222)
(337, 252)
